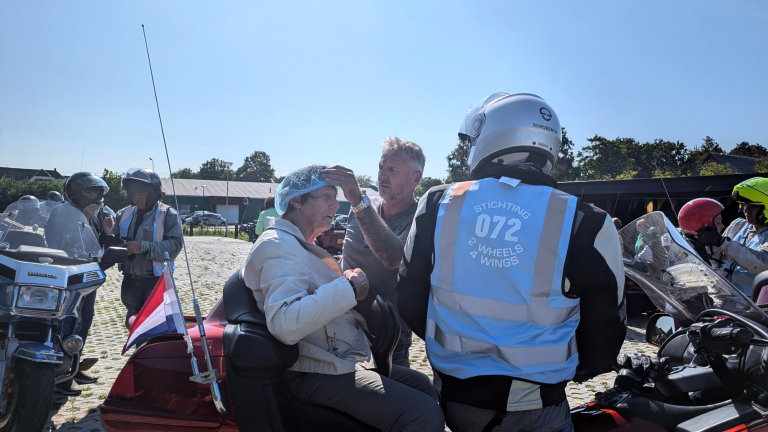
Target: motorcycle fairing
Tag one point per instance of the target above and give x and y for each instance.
(37, 352)
(675, 278)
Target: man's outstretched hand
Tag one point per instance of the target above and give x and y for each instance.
(344, 178)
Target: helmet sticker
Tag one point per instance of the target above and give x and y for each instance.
(545, 114)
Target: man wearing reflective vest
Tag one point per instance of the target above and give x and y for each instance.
(516, 287)
(742, 250)
(148, 229)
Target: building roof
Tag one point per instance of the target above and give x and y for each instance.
(680, 187)
(742, 164)
(28, 173)
(237, 189)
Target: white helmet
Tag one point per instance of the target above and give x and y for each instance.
(506, 128)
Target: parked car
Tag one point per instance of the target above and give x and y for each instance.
(206, 218)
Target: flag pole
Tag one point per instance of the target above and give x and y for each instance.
(211, 376)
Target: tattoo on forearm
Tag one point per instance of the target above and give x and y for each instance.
(387, 247)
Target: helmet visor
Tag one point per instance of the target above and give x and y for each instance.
(474, 119)
(140, 174)
(89, 181)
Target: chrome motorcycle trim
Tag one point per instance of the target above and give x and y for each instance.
(72, 337)
(37, 352)
(216, 394)
(73, 372)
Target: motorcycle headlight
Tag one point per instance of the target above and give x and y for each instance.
(32, 297)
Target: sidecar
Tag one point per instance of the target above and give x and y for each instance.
(153, 391)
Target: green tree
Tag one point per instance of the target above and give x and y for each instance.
(365, 181)
(714, 168)
(184, 173)
(11, 190)
(214, 169)
(698, 154)
(458, 162)
(256, 168)
(279, 179)
(761, 165)
(425, 185)
(754, 151)
(660, 158)
(605, 159)
(566, 168)
(116, 197)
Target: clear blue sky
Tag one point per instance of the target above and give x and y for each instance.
(324, 82)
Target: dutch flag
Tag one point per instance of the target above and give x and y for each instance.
(160, 314)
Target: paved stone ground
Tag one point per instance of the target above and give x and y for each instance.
(213, 260)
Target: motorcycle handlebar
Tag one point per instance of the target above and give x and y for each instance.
(738, 335)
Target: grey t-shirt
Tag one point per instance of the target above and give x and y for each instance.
(382, 281)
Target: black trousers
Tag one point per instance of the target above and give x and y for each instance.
(134, 292)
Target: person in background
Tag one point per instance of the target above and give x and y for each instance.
(30, 212)
(148, 229)
(84, 191)
(269, 211)
(741, 252)
(701, 214)
(53, 199)
(308, 300)
(378, 227)
(516, 288)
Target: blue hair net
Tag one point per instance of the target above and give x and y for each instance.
(298, 183)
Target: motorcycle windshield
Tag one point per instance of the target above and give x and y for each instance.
(57, 232)
(675, 278)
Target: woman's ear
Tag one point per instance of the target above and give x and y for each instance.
(295, 202)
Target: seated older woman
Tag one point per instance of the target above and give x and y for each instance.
(307, 300)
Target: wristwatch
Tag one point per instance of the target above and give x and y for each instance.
(364, 202)
(354, 288)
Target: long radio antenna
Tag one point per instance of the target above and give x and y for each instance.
(211, 376)
(668, 197)
(168, 158)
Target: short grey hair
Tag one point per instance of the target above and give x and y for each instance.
(407, 149)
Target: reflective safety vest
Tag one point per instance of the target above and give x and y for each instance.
(497, 305)
(738, 275)
(158, 229)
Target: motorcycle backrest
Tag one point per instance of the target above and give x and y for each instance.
(239, 304)
(387, 335)
(252, 349)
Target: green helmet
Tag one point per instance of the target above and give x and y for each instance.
(753, 191)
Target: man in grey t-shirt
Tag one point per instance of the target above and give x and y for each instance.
(379, 227)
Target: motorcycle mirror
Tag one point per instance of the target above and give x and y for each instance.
(116, 255)
(660, 327)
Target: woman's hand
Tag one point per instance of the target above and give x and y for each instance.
(358, 277)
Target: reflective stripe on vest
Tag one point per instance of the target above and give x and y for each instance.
(738, 275)
(496, 304)
(158, 230)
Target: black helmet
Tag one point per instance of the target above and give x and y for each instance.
(78, 182)
(29, 202)
(55, 196)
(143, 180)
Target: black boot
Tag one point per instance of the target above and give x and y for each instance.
(68, 388)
